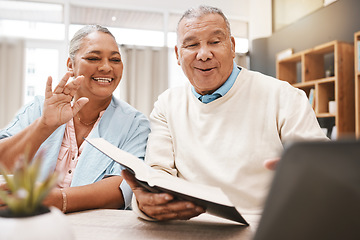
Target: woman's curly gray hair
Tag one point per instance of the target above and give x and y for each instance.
(75, 42)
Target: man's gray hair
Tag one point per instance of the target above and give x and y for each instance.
(75, 42)
(203, 10)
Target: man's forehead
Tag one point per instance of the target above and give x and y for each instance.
(191, 36)
(191, 26)
(201, 21)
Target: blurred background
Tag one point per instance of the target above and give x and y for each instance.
(34, 38)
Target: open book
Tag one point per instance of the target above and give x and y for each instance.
(212, 198)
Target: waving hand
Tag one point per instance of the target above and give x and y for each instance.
(57, 105)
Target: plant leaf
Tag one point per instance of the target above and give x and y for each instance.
(42, 189)
(9, 180)
(25, 193)
(4, 196)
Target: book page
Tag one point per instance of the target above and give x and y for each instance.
(129, 161)
(154, 178)
(212, 198)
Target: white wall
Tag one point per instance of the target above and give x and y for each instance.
(260, 19)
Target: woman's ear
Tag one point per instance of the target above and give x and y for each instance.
(70, 66)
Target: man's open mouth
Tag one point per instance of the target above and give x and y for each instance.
(205, 69)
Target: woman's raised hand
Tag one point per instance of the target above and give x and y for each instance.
(57, 105)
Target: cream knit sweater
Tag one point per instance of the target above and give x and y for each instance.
(225, 142)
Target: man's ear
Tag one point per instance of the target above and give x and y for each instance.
(177, 54)
(232, 41)
(70, 65)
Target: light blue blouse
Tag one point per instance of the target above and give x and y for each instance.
(121, 124)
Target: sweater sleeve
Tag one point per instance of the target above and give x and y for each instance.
(136, 145)
(138, 212)
(297, 120)
(160, 151)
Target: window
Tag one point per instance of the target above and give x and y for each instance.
(32, 30)
(43, 26)
(40, 63)
(31, 20)
(130, 36)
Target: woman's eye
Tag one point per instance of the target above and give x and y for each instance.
(93, 59)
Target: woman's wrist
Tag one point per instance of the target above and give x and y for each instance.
(64, 200)
(54, 198)
(44, 126)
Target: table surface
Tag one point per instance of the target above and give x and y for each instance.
(124, 224)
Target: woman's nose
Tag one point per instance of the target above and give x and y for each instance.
(105, 66)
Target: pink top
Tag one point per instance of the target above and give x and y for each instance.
(69, 154)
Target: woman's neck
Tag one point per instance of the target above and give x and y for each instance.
(90, 112)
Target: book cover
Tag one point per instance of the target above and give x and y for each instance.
(212, 198)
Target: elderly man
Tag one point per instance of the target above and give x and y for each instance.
(219, 129)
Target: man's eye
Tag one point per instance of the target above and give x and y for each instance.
(93, 59)
(116, 60)
(215, 42)
(191, 45)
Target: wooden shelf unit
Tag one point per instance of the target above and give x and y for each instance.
(357, 82)
(307, 70)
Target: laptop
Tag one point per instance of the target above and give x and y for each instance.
(315, 193)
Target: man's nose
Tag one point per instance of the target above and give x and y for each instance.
(204, 53)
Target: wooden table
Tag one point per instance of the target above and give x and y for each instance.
(124, 224)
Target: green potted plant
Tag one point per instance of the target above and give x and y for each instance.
(24, 216)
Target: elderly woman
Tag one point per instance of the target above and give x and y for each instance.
(84, 107)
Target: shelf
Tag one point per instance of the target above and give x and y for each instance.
(325, 115)
(318, 62)
(324, 48)
(313, 82)
(293, 58)
(310, 69)
(357, 82)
